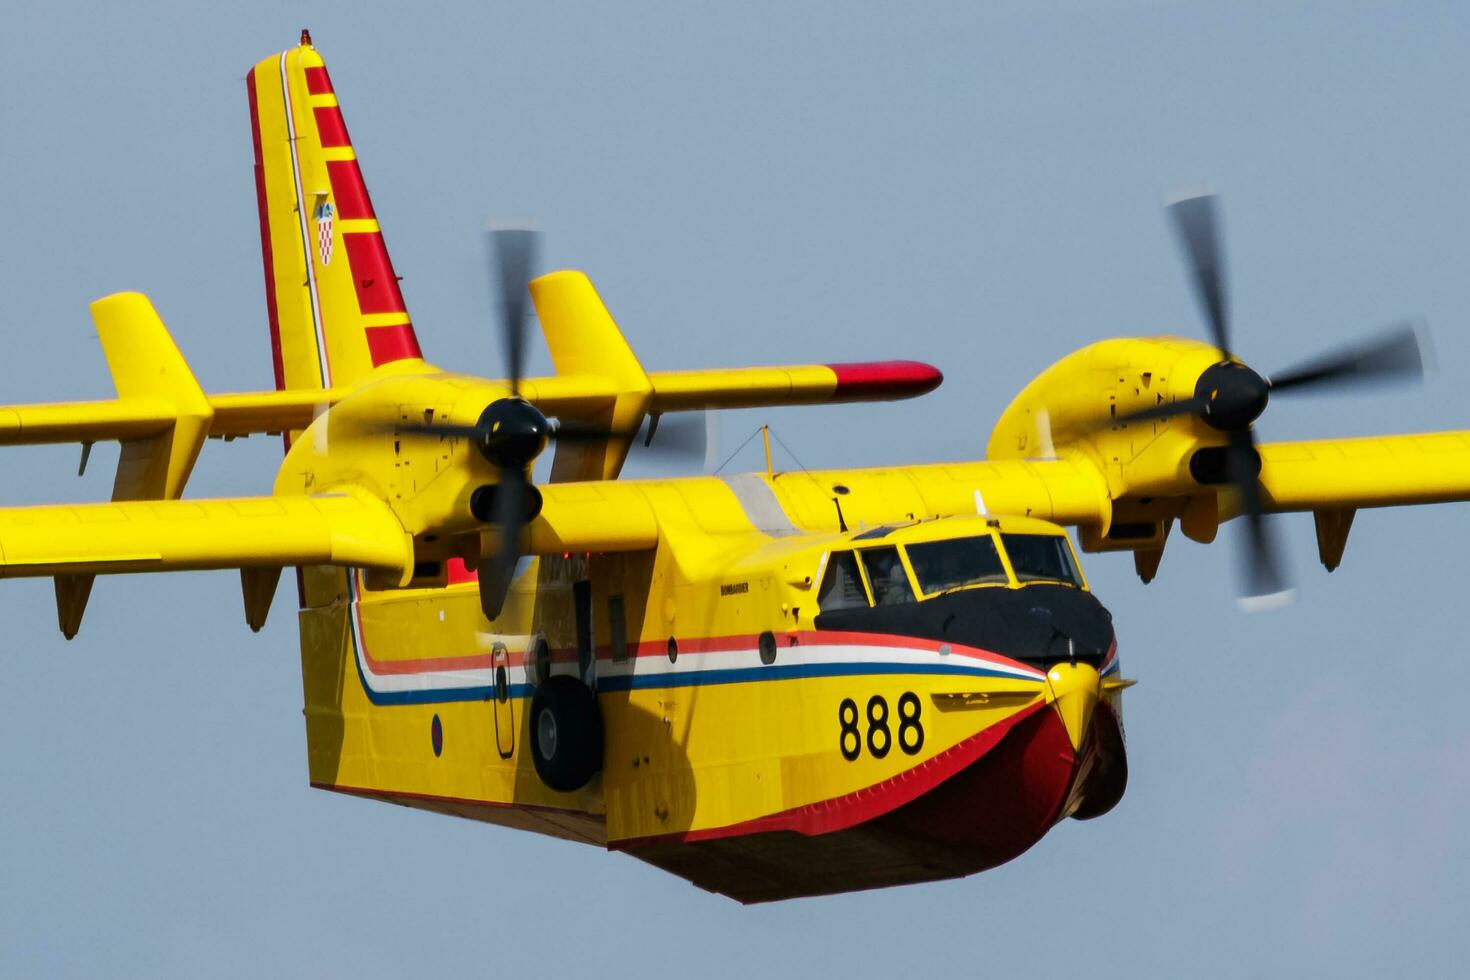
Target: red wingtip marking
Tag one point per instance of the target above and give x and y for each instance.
(885, 379)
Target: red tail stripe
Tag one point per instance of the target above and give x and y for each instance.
(330, 126)
(372, 273)
(392, 343)
(318, 82)
(879, 379)
(349, 190)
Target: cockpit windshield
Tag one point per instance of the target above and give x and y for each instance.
(943, 565)
(1041, 556)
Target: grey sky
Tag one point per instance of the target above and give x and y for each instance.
(755, 184)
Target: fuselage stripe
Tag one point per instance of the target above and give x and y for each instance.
(385, 682)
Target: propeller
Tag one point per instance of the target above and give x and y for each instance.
(514, 255)
(1229, 396)
(511, 432)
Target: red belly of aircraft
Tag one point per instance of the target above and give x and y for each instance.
(987, 813)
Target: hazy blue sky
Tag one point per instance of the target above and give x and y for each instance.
(974, 185)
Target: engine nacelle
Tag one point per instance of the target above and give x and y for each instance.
(1067, 410)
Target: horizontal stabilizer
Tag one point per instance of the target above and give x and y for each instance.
(235, 414)
(146, 365)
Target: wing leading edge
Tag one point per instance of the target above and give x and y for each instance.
(258, 535)
(1377, 471)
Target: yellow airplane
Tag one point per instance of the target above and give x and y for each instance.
(774, 684)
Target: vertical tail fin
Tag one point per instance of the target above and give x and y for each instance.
(584, 339)
(335, 308)
(145, 363)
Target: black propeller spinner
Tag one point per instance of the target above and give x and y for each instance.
(1229, 396)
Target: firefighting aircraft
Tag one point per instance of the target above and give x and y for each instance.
(773, 684)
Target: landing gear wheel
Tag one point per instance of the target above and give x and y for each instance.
(566, 733)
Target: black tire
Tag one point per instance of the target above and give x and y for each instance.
(566, 733)
(540, 660)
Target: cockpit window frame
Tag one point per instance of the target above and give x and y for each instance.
(997, 535)
(826, 564)
(998, 541)
(1005, 564)
(903, 563)
(1020, 583)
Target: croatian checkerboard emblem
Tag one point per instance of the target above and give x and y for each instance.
(324, 232)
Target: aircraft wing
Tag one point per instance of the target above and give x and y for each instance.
(810, 384)
(616, 515)
(1378, 471)
(348, 529)
(258, 535)
(162, 416)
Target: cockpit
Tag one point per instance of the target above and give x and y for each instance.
(877, 570)
(1011, 586)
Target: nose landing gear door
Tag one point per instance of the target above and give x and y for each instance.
(503, 706)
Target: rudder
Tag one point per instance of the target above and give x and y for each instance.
(335, 308)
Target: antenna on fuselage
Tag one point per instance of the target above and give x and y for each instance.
(839, 489)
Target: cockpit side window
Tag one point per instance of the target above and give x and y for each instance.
(943, 565)
(842, 586)
(886, 575)
(1041, 557)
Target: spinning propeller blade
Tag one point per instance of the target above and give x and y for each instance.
(510, 517)
(1393, 355)
(511, 432)
(1263, 585)
(1197, 224)
(514, 254)
(1230, 396)
(1184, 406)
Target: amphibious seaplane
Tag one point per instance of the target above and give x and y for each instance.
(774, 684)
